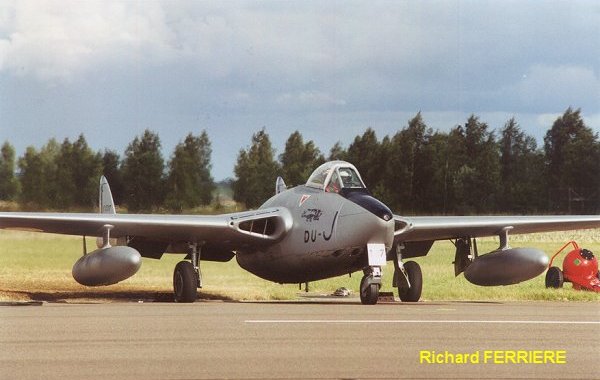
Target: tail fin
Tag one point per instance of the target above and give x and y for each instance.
(106, 203)
(279, 185)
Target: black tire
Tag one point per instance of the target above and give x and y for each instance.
(185, 282)
(370, 294)
(554, 278)
(415, 276)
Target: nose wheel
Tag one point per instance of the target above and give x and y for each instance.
(369, 292)
(369, 286)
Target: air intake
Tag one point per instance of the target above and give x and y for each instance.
(264, 226)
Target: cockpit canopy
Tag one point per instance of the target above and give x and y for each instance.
(333, 176)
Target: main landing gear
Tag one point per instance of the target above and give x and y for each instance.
(187, 277)
(409, 290)
(407, 278)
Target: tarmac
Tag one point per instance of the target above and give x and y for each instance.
(315, 339)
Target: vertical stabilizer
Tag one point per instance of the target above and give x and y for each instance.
(279, 185)
(107, 205)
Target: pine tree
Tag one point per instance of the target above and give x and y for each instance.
(477, 179)
(9, 186)
(31, 170)
(77, 174)
(299, 159)
(143, 171)
(522, 171)
(337, 152)
(38, 174)
(255, 171)
(190, 183)
(573, 163)
(111, 169)
(404, 165)
(365, 154)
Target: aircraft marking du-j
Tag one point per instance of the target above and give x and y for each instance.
(328, 227)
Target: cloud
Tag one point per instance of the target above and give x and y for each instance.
(547, 87)
(58, 40)
(382, 55)
(593, 121)
(332, 67)
(313, 99)
(61, 40)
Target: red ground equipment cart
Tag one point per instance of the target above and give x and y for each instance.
(580, 267)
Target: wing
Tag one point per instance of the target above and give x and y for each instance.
(429, 228)
(229, 231)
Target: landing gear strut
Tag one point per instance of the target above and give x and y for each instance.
(187, 277)
(407, 278)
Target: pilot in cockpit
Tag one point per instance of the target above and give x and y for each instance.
(349, 178)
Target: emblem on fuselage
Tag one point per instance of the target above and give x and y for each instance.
(311, 214)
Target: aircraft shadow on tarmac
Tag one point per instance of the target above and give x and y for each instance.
(379, 304)
(167, 297)
(112, 296)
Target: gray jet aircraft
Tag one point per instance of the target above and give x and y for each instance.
(328, 227)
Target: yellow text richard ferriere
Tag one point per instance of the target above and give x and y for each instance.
(494, 357)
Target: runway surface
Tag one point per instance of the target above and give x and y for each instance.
(322, 340)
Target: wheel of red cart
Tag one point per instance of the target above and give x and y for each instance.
(554, 278)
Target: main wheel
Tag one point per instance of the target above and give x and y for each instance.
(415, 277)
(369, 293)
(185, 282)
(554, 278)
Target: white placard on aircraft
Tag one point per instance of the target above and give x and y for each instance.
(376, 254)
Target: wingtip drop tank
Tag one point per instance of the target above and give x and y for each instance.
(107, 266)
(506, 267)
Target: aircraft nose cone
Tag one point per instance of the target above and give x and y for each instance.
(371, 204)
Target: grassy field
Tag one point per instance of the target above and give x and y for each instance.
(38, 267)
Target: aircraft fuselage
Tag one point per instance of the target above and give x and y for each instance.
(329, 236)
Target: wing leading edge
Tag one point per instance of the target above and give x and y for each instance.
(427, 228)
(231, 231)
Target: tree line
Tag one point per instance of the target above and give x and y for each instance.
(65, 176)
(468, 170)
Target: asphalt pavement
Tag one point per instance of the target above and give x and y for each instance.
(326, 339)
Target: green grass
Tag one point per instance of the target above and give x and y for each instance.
(38, 266)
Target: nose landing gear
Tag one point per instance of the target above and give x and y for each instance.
(369, 285)
(408, 278)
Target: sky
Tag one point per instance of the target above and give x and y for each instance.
(330, 69)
